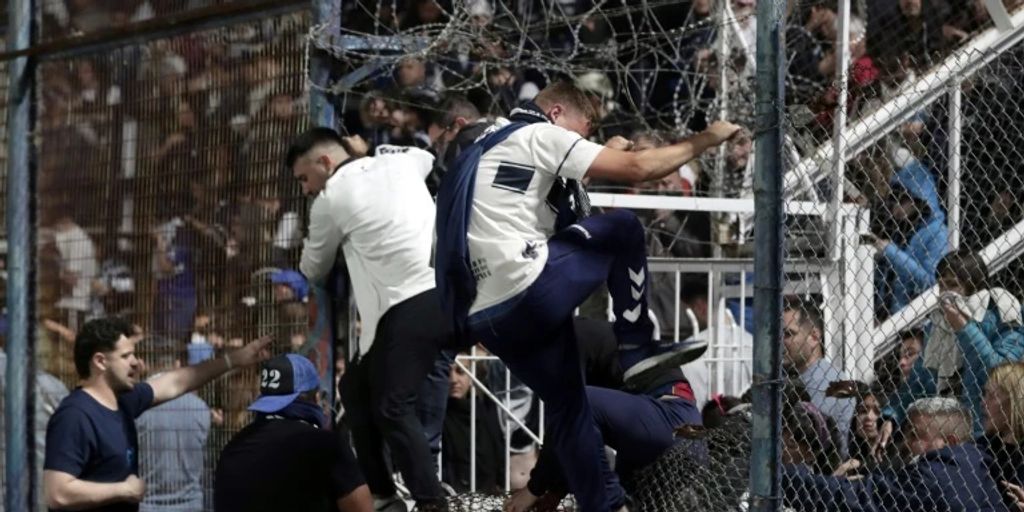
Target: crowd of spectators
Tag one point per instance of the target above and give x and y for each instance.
(162, 197)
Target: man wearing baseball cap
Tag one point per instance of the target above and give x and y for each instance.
(286, 459)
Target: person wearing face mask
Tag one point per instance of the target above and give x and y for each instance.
(287, 458)
(946, 471)
(975, 328)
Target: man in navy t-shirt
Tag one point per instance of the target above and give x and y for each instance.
(91, 442)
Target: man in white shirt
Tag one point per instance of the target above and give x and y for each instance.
(378, 211)
(79, 267)
(729, 343)
(533, 264)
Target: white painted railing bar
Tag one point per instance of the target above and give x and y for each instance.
(697, 204)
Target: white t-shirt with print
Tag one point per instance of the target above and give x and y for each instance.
(514, 206)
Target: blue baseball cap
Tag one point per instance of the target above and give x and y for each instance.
(292, 279)
(282, 380)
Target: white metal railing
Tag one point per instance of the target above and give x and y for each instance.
(729, 355)
(911, 98)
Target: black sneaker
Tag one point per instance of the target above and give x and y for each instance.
(645, 372)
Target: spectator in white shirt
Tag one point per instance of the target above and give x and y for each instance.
(78, 269)
(728, 344)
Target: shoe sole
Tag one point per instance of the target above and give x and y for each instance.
(392, 506)
(640, 375)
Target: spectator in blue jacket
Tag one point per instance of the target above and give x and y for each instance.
(947, 472)
(908, 265)
(976, 328)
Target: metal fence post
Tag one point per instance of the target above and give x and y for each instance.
(321, 112)
(955, 136)
(842, 59)
(18, 391)
(765, 460)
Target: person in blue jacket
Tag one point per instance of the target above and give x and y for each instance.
(947, 472)
(911, 262)
(976, 328)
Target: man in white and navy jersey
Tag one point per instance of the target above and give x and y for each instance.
(515, 257)
(378, 211)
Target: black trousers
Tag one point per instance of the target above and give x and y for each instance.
(380, 393)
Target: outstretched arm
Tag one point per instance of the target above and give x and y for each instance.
(170, 385)
(653, 164)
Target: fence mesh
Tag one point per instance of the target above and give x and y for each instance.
(867, 257)
(161, 198)
(708, 470)
(914, 331)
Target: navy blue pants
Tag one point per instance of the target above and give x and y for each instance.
(533, 335)
(639, 427)
(433, 401)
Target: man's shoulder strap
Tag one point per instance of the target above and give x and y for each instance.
(493, 138)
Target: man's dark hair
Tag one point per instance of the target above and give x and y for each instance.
(914, 333)
(832, 5)
(716, 410)
(968, 268)
(921, 208)
(96, 336)
(308, 140)
(694, 287)
(813, 430)
(452, 107)
(810, 313)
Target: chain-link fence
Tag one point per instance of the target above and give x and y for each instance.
(161, 198)
(928, 150)
(907, 359)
